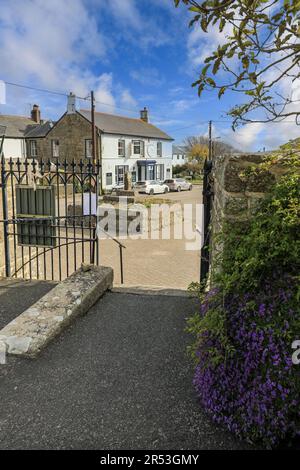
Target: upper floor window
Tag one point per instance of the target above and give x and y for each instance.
(32, 148)
(121, 148)
(138, 147)
(55, 148)
(159, 149)
(88, 148)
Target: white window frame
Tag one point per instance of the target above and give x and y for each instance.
(55, 148)
(159, 149)
(88, 148)
(121, 148)
(137, 144)
(33, 145)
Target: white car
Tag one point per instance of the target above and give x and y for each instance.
(151, 187)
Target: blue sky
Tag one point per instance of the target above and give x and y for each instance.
(133, 53)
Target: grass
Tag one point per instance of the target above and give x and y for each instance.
(149, 201)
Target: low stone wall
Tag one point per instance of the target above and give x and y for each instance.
(31, 331)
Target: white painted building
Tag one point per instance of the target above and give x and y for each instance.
(123, 144)
(179, 155)
(131, 145)
(16, 130)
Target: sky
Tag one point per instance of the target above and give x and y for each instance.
(132, 53)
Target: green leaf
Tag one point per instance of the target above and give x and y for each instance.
(211, 82)
(222, 24)
(205, 69)
(204, 24)
(196, 9)
(221, 91)
(216, 66)
(245, 62)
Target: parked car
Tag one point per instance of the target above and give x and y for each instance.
(151, 187)
(178, 184)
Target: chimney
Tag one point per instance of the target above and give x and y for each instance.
(36, 114)
(144, 115)
(71, 109)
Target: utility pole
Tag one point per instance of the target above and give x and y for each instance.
(94, 145)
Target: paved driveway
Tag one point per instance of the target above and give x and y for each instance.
(118, 378)
(157, 262)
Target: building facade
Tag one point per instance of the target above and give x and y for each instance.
(15, 130)
(179, 155)
(122, 144)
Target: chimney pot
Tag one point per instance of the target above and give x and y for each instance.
(144, 115)
(36, 114)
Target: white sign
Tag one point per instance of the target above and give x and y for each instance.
(151, 151)
(2, 93)
(89, 204)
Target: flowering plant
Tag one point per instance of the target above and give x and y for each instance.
(245, 327)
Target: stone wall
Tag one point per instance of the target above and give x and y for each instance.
(236, 197)
(71, 130)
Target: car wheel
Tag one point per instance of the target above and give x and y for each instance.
(151, 192)
(191, 187)
(166, 190)
(178, 189)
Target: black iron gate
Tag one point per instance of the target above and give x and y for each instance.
(49, 217)
(207, 203)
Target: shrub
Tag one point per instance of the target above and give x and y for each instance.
(244, 374)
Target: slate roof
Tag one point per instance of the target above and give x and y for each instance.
(40, 130)
(112, 124)
(177, 150)
(16, 126)
(21, 127)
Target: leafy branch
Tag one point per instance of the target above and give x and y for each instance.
(261, 49)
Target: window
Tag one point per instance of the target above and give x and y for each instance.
(55, 148)
(32, 148)
(138, 147)
(121, 148)
(88, 148)
(120, 171)
(150, 174)
(160, 173)
(159, 149)
(178, 157)
(108, 179)
(133, 176)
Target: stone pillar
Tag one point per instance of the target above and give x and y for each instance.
(236, 197)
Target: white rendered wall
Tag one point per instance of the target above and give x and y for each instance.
(14, 148)
(110, 158)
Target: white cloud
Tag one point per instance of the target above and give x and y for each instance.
(126, 12)
(53, 45)
(201, 45)
(103, 93)
(147, 76)
(182, 105)
(128, 100)
(133, 25)
(48, 42)
(246, 137)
